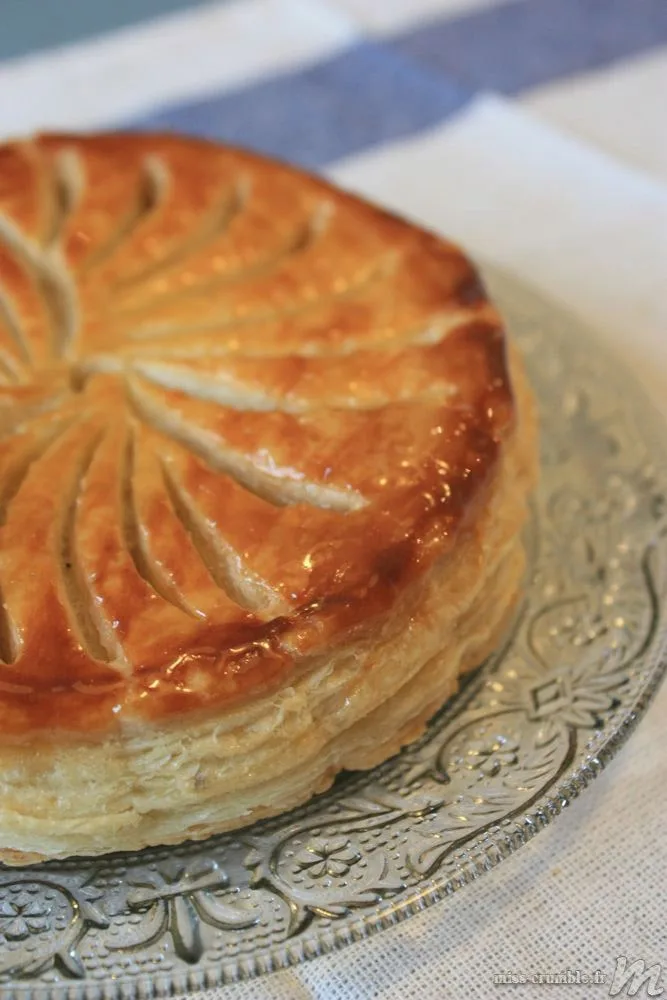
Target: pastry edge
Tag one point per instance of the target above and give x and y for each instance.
(486, 565)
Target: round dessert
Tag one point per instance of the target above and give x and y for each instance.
(265, 460)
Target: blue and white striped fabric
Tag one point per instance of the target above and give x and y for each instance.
(535, 133)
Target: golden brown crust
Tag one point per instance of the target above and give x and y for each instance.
(353, 707)
(259, 446)
(241, 410)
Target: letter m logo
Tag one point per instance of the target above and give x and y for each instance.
(628, 979)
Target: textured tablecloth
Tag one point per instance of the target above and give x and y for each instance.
(535, 132)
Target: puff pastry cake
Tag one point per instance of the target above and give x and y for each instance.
(265, 459)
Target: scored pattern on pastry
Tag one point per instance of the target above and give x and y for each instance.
(164, 325)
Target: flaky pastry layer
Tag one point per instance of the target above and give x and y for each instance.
(349, 709)
(264, 459)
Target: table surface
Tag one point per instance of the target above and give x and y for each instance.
(547, 120)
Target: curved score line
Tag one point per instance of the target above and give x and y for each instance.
(228, 392)
(11, 323)
(381, 269)
(22, 414)
(154, 180)
(428, 333)
(230, 205)
(135, 541)
(276, 490)
(14, 474)
(9, 638)
(300, 241)
(95, 633)
(223, 390)
(67, 187)
(223, 564)
(10, 372)
(13, 477)
(45, 264)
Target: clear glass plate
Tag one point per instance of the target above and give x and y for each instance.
(525, 735)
